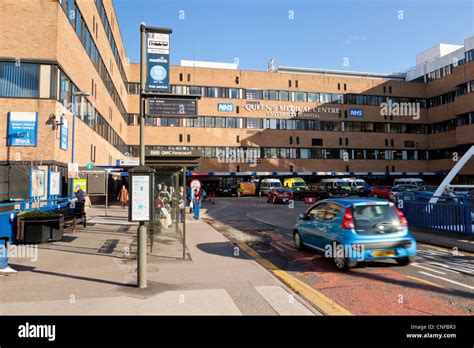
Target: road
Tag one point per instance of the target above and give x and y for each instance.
(437, 283)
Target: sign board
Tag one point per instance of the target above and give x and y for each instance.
(38, 183)
(64, 134)
(72, 170)
(356, 112)
(128, 162)
(195, 183)
(225, 107)
(22, 128)
(54, 183)
(157, 61)
(173, 153)
(172, 107)
(90, 165)
(140, 198)
(81, 182)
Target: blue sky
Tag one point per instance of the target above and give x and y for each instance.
(366, 34)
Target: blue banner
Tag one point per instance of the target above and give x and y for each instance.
(64, 134)
(158, 72)
(22, 128)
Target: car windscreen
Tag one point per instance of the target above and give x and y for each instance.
(342, 183)
(299, 184)
(275, 184)
(376, 219)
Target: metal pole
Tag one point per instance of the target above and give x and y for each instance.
(184, 212)
(71, 190)
(141, 248)
(106, 191)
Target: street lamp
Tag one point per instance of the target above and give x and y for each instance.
(75, 94)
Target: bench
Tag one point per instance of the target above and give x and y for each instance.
(73, 215)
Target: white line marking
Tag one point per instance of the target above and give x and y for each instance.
(448, 280)
(439, 265)
(428, 269)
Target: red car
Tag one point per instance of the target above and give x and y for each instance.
(380, 191)
(280, 195)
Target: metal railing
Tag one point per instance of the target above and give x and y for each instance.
(447, 217)
(8, 218)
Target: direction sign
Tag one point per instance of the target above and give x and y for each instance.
(172, 107)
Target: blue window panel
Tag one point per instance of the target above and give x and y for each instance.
(19, 80)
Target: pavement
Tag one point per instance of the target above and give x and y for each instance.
(93, 272)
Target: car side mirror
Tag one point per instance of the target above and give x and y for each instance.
(303, 216)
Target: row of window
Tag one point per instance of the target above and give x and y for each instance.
(81, 107)
(108, 32)
(75, 18)
(311, 125)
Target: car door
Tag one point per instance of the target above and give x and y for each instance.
(331, 226)
(312, 226)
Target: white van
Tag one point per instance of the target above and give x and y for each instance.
(266, 185)
(408, 181)
(355, 183)
(338, 183)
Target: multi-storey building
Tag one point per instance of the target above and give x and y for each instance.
(68, 57)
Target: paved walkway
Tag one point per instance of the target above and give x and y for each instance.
(93, 271)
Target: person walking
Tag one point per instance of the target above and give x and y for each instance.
(123, 197)
(196, 202)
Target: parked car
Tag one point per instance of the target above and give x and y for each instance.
(409, 181)
(320, 191)
(380, 191)
(267, 184)
(294, 183)
(226, 190)
(397, 190)
(355, 183)
(280, 195)
(338, 183)
(364, 229)
(364, 191)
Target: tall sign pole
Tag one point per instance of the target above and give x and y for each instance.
(154, 78)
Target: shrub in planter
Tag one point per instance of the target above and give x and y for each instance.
(39, 226)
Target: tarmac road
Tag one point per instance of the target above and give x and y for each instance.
(437, 283)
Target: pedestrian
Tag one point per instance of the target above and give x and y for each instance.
(4, 267)
(196, 203)
(79, 194)
(212, 194)
(123, 196)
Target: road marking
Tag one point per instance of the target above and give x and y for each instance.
(274, 245)
(425, 282)
(447, 280)
(322, 303)
(440, 265)
(428, 269)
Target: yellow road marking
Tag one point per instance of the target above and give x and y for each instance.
(322, 303)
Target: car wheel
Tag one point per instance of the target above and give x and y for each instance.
(298, 241)
(404, 261)
(344, 263)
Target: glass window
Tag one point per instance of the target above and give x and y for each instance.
(313, 97)
(325, 98)
(253, 123)
(284, 95)
(219, 122)
(194, 90)
(20, 80)
(213, 92)
(231, 122)
(254, 94)
(336, 98)
(300, 96)
(209, 122)
(271, 95)
(234, 93)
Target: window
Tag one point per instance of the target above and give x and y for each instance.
(233, 93)
(409, 143)
(345, 87)
(19, 80)
(291, 140)
(253, 123)
(253, 94)
(318, 212)
(188, 138)
(317, 142)
(180, 76)
(297, 140)
(231, 122)
(338, 86)
(194, 90)
(213, 92)
(325, 98)
(300, 96)
(313, 97)
(284, 95)
(271, 95)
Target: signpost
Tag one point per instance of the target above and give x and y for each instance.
(172, 107)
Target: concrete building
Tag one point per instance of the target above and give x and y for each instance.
(68, 57)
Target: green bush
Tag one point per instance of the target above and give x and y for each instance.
(38, 214)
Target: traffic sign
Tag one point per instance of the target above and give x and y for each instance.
(90, 165)
(72, 170)
(195, 183)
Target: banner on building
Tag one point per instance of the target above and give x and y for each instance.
(157, 48)
(22, 128)
(64, 134)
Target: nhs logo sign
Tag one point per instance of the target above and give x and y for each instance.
(356, 112)
(225, 107)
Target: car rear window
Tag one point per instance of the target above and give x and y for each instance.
(275, 184)
(375, 219)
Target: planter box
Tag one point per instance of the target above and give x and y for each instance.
(40, 229)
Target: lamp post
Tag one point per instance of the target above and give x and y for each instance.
(74, 95)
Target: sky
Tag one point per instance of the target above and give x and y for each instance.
(361, 35)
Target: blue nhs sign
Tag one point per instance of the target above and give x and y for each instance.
(356, 112)
(226, 107)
